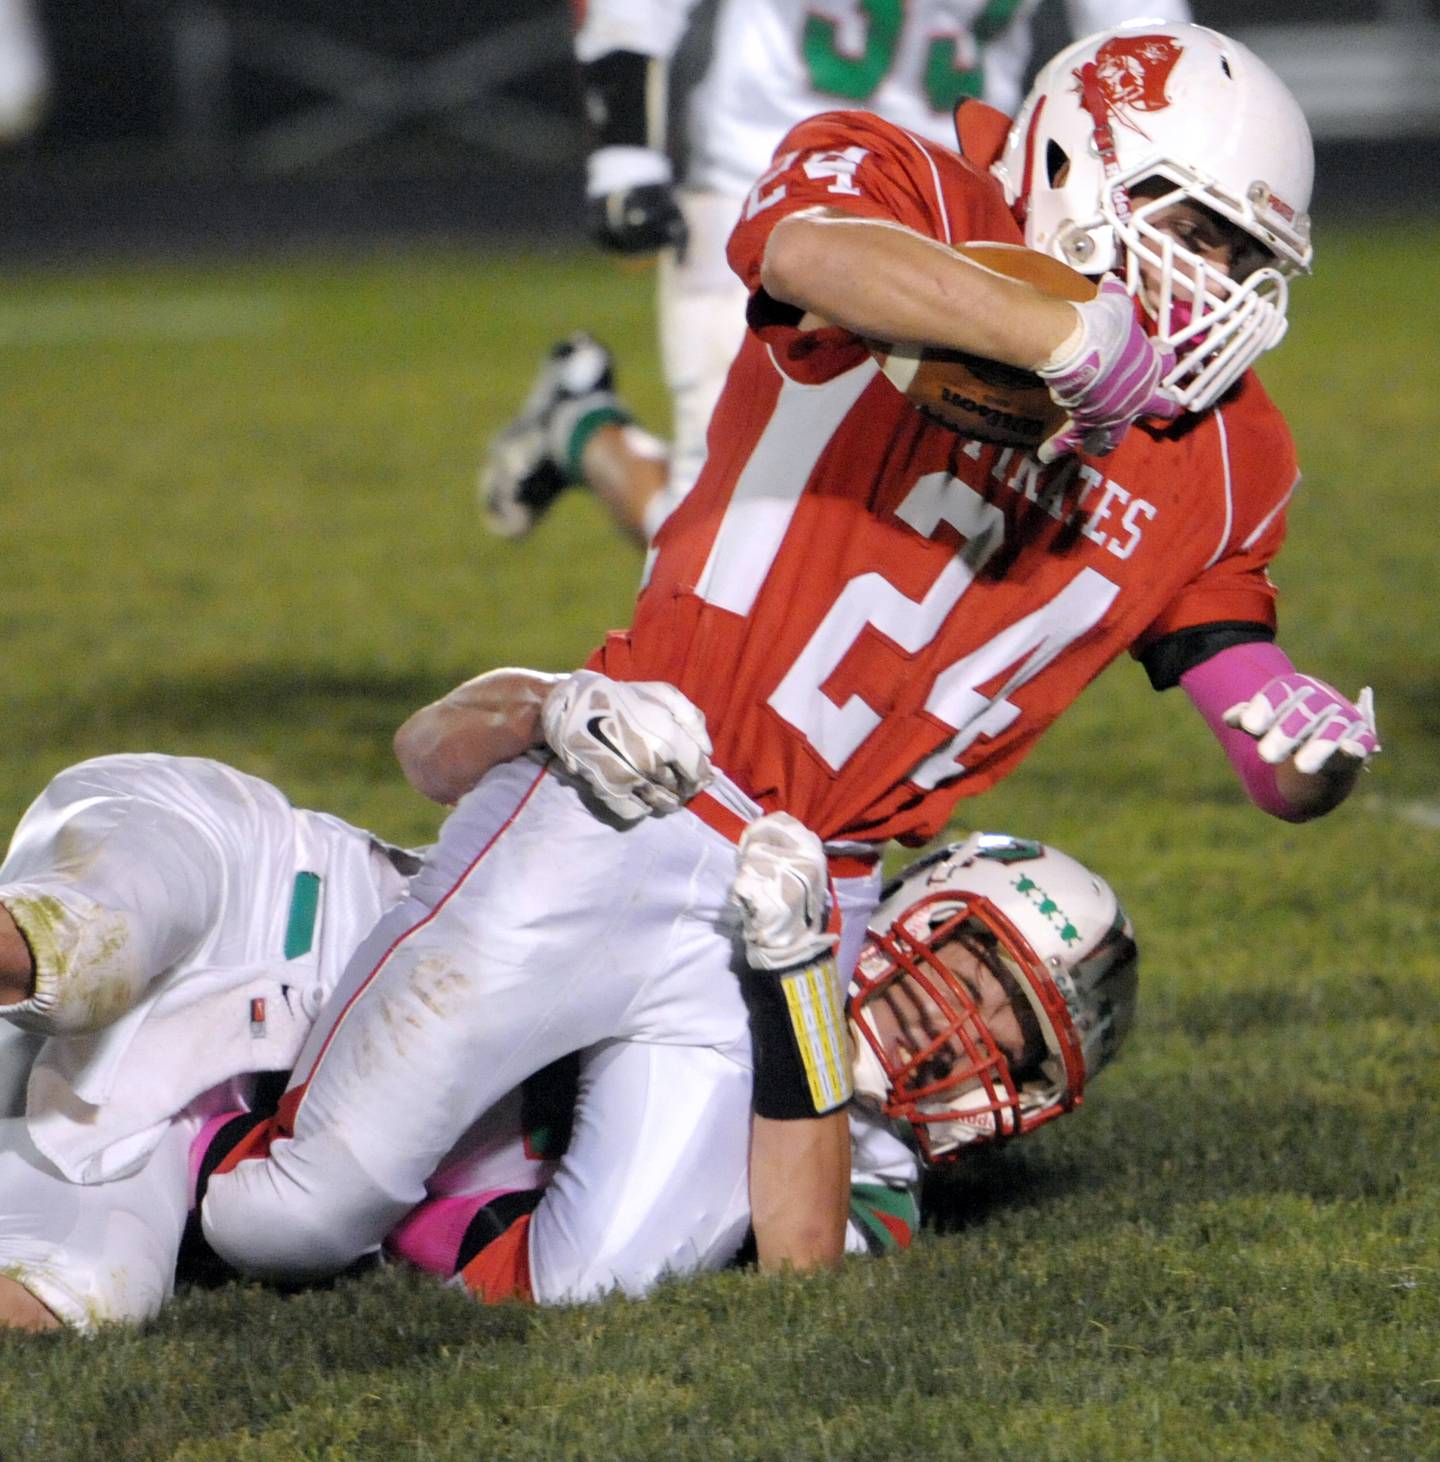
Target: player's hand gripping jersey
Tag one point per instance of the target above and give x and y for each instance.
(877, 616)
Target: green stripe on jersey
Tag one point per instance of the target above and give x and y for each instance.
(304, 909)
(872, 1203)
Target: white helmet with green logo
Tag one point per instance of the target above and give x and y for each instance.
(1054, 934)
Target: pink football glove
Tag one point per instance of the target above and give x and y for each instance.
(1298, 716)
(1112, 376)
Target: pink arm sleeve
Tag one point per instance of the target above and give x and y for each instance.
(1234, 675)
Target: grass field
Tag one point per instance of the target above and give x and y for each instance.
(238, 522)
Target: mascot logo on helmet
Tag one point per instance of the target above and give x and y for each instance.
(1128, 75)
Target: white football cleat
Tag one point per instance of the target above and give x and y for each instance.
(529, 463)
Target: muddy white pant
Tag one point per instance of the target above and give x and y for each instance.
(185, 920)
(535, 929)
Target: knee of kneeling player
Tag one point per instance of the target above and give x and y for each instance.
(269, 1229)
(574, 1266)
(580, 1280)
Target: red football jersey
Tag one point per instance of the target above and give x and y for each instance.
(878, 616)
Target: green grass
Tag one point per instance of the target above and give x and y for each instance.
(238, 522)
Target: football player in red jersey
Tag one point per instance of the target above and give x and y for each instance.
(876, 616)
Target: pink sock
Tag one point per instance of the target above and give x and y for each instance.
(201, 1145)
(429, 1235)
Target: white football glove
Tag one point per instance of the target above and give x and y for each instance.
(780, 887)
(1298, 716)
(640, 746)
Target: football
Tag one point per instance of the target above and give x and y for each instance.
(983, 398)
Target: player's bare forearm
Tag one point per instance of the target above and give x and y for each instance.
(447, 746)
(800, 1190)
(886, 282)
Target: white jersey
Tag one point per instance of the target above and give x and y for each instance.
(187, 922)
(773, 63)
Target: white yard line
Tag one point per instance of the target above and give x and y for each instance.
(169, 317)
(1422, 812)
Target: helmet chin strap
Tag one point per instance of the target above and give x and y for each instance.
(972, 1120)
(872, 1089)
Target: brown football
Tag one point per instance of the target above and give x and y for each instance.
(983, 398)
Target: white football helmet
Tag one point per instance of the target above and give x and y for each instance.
(1056, 937)
(1208, 122)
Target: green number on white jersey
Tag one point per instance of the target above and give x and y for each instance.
(953, 64)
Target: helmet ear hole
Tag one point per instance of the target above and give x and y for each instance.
(1057, 163)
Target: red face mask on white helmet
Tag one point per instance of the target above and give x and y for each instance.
(1196, 117)
(1052, 932)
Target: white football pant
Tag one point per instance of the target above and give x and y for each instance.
(701, 307)
(158, 894)
(535, 929)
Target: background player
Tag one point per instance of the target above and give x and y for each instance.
(768, 65)
(876, 615)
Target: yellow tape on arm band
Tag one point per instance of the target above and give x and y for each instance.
(816, 1008)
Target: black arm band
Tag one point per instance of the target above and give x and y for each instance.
(1169, 658)
(781, 1091)
(786, 1088)
(616, 93)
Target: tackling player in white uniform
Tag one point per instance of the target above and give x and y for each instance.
(181, 923)
(769, 65)
(998, 978)
(169, 928)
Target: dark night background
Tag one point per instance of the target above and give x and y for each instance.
(180, 123)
